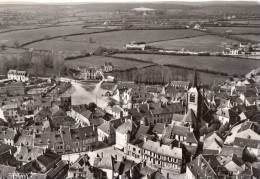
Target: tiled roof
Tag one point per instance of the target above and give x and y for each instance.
(6, 170)
(83, 133)
(177, 117)
(128, 126)
(165, 150)
(230, 150)
(142, 130)
(180, 130)
(4, 148)
(107, 128)
(241, 142)
(191, 138)
(48, 158)
(190, 116)
(107, 162)
(159, 128)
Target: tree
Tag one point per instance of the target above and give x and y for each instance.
(16, 44)
(92, 106)
(3, 46)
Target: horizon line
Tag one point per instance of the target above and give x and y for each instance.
(119, 2)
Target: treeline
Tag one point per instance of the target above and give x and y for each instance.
(37, 63)
(154, 74)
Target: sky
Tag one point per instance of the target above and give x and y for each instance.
(93, 1)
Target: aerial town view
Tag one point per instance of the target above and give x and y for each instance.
(120, 89)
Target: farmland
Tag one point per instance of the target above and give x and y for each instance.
(221, 64)
(116, 39)
(235, 30)
(249, 37)
(23, 36)
(97, 61)
(209, 43)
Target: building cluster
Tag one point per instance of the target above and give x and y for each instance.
(95, 73)
(180, 129)
(242, 49)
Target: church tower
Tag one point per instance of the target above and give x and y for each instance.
(194, 97)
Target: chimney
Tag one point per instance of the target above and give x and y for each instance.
(101, 154)
(144, 163)
(148, 106)
(145, 138)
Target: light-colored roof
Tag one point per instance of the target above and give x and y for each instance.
(143, 9)
(163, 149)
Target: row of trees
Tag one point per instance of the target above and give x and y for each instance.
(38, 63)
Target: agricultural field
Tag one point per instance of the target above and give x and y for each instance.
(235, 30)
(249, 37)
(227, 65)
(209, 43)
(116, 39)
(23, 36)
(97, 61)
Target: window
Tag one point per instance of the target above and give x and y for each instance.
(192, 97)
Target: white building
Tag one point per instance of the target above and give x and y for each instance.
(21, 76)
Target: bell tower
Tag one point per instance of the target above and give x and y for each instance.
(194, 97)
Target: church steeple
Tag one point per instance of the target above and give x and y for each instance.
(195, 80)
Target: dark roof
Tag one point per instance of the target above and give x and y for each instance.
(230, 150)
(191, 138)
(180, 130)
(142, 130)
(83, 133)
(107, 128)
(48, 158)
(190, 116)
(4, 148)
(241, 142)
(159, 128)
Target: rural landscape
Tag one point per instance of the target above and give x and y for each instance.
(135, 90)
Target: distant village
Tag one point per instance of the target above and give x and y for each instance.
(177, 130)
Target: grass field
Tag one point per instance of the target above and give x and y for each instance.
(97, 61)
(235, 30)
(22, 36)
(249, 37)
(209, 43)
(115, 39)
(221, 64)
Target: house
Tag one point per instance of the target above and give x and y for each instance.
(135, 46)
(8, 164)
(106, 164)
(170, 159)
(107, 67)
(13, 89)
(21, 76)
(48, 165)
(124, 134)
(249, 130)
(91, 73)
(80, 139)
(106, 133)
(213, 141)
(162, 113)
(82, 168)
(81, 114)
(205, 166)
(227, 115)
(8, 135)
(26, 154)
(252, 145)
